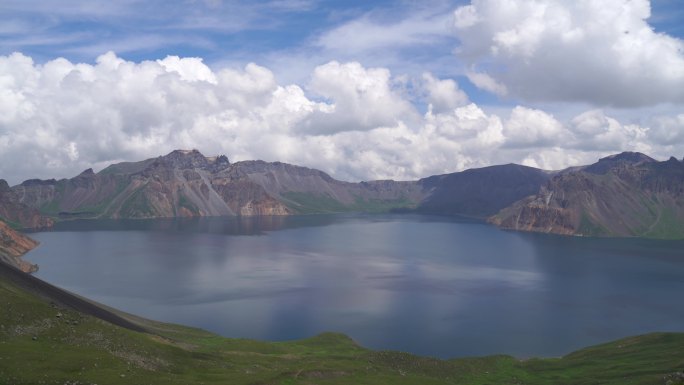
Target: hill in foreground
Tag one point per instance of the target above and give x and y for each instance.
(49, 336)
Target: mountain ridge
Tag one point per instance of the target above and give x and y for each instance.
(628, 194)
(186, 183)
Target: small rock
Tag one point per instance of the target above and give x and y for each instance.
(34, 338)
(59, 315)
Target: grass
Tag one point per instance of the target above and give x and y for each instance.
(667, 227)
(305, 203)
(588, 227)
(42, 342)
(137, 205)
(12, 224)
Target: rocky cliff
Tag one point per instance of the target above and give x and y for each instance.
(13, 245)
(17, 213)
(180, 184)
(628, 194)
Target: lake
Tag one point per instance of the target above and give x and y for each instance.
(434, 286)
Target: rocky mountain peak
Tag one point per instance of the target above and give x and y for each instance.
(184, 159)
(612, 161)
(87, 173)
(630, 157)
(38, 182)
(218, 162)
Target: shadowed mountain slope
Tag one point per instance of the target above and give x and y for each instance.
(480, 192)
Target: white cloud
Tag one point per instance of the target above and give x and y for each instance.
(366, 33)
(361, 98)
(596, 131)
(357, 123)
(601, 52)
(533, 128)
(443, 94)
(668, 130)
(487, 83)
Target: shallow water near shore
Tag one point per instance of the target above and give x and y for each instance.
(434, 286)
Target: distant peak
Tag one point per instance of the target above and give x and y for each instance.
(184, 152)
(612, 161)
(38, 182)
(185, 159)
(628, 156)
(87, 172)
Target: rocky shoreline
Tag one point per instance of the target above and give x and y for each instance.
(13, 245)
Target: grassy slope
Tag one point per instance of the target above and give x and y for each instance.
(305, 203)
(44, 342)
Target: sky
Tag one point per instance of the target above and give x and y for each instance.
(362, 90)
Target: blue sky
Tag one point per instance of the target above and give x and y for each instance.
(449, 78)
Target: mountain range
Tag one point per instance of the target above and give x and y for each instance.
(628, 194)
(187, 183)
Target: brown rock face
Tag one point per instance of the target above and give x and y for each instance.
(623, 195)
(18, 213)
(13, 245)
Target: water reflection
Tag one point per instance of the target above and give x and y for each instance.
(212, 225)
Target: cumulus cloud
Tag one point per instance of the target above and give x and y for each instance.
(356, 123)
(533, 128)
(600, 52)
(596, 131)
(443, 94)
(361, 98)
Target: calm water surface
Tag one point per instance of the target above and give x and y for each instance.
(428, 285)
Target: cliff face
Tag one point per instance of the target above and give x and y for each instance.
(13, 245)
(180, 184)
(627, 194)
(19, 214)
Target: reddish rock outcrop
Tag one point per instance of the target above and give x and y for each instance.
(13, 245)
(18, 213)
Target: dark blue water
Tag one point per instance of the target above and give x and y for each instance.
(428, 285)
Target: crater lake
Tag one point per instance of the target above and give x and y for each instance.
(436, 286)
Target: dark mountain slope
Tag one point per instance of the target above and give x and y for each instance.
(480, 192)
